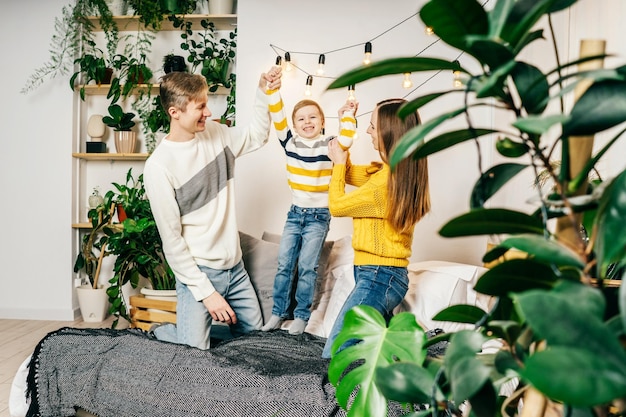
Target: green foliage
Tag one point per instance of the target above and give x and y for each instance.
(94, 67)
(205, 50)
(73, 37)
(557, 333)
(118, 119)
(137, 245)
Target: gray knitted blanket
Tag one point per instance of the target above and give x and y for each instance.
(128, 373)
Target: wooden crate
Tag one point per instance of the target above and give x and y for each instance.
(146, 312)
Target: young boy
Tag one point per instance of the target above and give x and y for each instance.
(189, 181)
(308, 219)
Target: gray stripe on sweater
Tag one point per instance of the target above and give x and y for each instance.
(204, 187)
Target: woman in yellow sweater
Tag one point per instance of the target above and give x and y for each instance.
(385, 207)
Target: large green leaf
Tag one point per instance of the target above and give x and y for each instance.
(412, 141)
(491, 181)
(393, 66)
(532, 87)
(510, 148)
(465, 372)
(419, 102)
(583, 354)
(575, 376)
(460, 313)
(544, 250)
(539, 124)
(491, 221)
(522, 17)
(611, 240)
(379, 346)
(414, 137)
(602, 106)
(407, 383)
(515, 275)
(454, 20)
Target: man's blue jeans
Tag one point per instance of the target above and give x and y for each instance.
(381, 287)
(193, 321)
(300, 246)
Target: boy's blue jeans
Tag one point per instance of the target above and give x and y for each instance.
(193, 321)
(381, 287)
(300, 246)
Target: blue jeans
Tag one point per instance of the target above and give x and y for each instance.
(300, 246)
(193, 321)
(381, 287)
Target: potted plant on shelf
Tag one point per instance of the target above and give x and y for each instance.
(213, 56)
(137, 245)
(228, 117)
(93, 67)
(173, 62)
(92, 297)
(122, 123)
(154, 119)
(560, 335)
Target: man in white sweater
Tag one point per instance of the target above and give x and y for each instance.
(189, 181)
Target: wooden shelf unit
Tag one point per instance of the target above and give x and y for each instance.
(131, 23)
(111, 156)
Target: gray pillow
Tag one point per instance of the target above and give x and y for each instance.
(261, 261)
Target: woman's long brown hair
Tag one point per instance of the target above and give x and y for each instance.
(407, 188)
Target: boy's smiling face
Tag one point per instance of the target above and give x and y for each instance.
(308, 122)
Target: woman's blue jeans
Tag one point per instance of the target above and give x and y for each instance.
(300, 248)
(381, 287)
(193, 321)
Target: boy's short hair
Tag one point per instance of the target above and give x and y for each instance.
(179, 88)
(304, 103)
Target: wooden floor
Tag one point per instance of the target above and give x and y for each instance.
(18, 338)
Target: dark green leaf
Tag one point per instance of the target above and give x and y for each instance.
(491, 181)
(523, 16)
(393, 66)
(454, 20)
(491, 221)
(544, 250)
(511, 149)
(515, 275)
(611, 240)
(407, 383)
(575, 376)
(419, 102)
(464, 371)
(532, 86)
(460, 313)
(602, 106)
(484, 402)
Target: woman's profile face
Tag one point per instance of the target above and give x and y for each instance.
(371, 129)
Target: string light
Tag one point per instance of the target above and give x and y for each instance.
(279, 61)
(288, 65)
(407, 83)
(429, 31)
(456, 77)
(309, 83)
(320, 64)
(351, 96)
(367, 59)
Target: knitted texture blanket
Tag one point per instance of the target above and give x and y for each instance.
(128, 373)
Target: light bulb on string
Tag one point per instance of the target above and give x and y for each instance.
(351, 96)
(279, 61)
(309, 83)
(429, 31)
(320, 64)
(288, 64)
(407, 83)
(367, 59)
(456, 77)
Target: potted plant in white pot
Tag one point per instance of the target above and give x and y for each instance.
(92, 297)
(559, 329)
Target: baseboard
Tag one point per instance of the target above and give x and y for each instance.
(39, 314)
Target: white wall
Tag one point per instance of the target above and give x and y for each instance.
(35, 163)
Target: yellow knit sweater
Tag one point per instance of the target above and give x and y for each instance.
(374, 241)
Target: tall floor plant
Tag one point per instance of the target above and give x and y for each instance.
(560, 330)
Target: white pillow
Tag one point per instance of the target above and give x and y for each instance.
(344, 283)
(436, 285)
